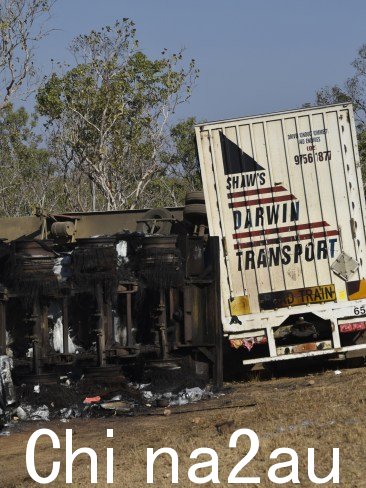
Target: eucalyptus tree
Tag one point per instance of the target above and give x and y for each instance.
(110, 113)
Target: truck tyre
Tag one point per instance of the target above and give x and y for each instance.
(162, 228)
(195, 197)
(195, 213)
(195, 210)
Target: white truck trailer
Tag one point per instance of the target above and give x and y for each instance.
(284, 193)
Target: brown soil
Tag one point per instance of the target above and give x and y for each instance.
(323, 411)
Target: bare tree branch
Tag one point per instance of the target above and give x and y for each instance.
(22, 26)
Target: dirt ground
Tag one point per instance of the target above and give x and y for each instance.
(322, 410)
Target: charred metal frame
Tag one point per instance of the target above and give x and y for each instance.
(186, 323)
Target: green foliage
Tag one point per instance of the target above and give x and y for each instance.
(333, 94)
(181, 160)
(353, 90)
(107, 120)
(185, 155)
(111, 111)
(362, 151)
(25, 167)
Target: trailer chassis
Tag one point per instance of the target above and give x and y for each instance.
(264, 325)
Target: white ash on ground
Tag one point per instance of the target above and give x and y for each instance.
(75, 396)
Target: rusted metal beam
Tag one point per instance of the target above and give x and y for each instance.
(108, 320)
(130, 339)
(188, 326)
(100, 327)
(214, 313)
(2, 327)
(43, 318)
(163, 325)
(36, 316)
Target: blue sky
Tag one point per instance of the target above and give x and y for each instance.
(255, 56)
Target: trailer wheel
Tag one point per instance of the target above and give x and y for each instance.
(151, 227)
(195, 197)
(195, 213)
(195, 209)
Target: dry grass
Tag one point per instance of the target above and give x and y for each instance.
(289, 413)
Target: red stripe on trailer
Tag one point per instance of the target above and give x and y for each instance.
(261, 201)
(256, 191)
(280, 240)
(278, 230)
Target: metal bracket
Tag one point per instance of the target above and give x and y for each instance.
(344, 266)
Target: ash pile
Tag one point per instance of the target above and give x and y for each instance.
(77, 396)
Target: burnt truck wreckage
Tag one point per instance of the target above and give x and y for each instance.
(274, 271)
(108, 289)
